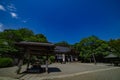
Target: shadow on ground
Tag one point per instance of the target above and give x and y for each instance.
(42, 70)
(53, 69)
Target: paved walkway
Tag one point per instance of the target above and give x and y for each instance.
(56, 70)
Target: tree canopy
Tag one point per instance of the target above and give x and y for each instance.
(63, 43)
(92, 45)
(87, 46)
(9, 36)
(115, 45)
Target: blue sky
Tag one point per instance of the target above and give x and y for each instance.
(63, 20)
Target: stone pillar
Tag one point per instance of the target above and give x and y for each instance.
(28, 56)
(63, 56)
(46, 69)
(28, 63)
(71, 58)
(19, 66)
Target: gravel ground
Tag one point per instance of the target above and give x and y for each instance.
(113, 74)
(11, 72)
(63, 70)
(7, 78)
(69, 69)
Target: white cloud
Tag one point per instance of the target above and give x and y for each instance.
(24, 21)
(11, 7)
(2, 8)
(12, 10)
(1, 27)
(14, 15)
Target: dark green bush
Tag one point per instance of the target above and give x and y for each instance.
(52, 59)
(6, 62)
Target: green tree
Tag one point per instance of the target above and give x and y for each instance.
(6, 49)
(41, 38)
(115, 46)
(25, 33)
(63, 43)
(9, 36)
(37, 38)
(92, 47)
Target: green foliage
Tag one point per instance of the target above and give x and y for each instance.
(63, 43)
(9, 36)
(115, 45)
(92, 45)
(6, 62)
(52, 59)
(6, 49)
(23, 34)
(36, 38)
(26, 33)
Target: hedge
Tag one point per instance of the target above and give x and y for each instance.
(6, 62)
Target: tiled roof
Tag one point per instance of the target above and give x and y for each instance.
(111, 56)
(34, 43)
(61, 49)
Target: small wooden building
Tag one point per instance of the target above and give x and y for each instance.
(113, 59)
(34, 48)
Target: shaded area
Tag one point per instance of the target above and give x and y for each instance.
(35, 70)
(53, 69)
(42, 70)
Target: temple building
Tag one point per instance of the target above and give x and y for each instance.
(65, 54)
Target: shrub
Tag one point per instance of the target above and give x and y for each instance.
(52, 59)
(6, 62)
